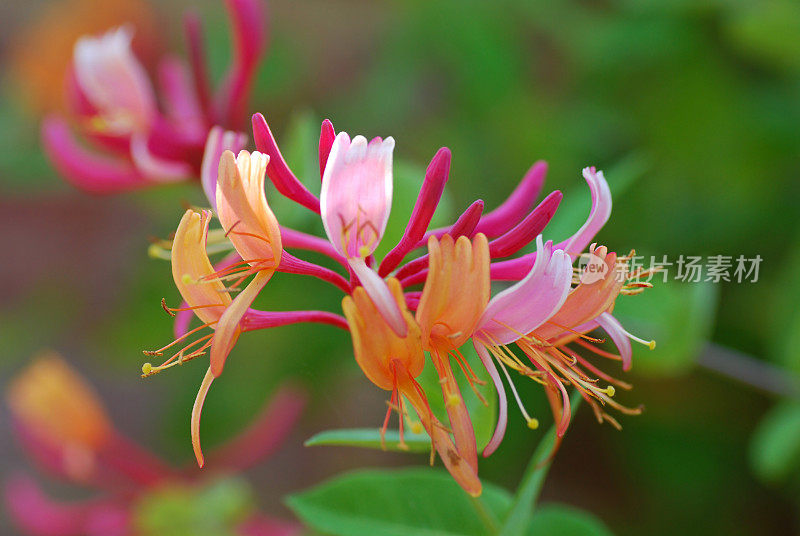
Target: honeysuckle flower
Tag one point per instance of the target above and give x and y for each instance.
(355, 201)
(115, 106)
(392, 322)
(392, 363)
(452, 302)
(564, 315)
(63, 426)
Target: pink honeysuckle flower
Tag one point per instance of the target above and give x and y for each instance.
(62, 425)
(429, 294)
(355, 201)
(115, 107)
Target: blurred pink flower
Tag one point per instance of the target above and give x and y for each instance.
(63, 426)
(114, 105)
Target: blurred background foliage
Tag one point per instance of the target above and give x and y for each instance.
(692, 108)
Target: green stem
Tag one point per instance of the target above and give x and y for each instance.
(529, 488)
(488, 519)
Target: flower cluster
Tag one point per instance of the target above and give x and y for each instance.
(431, 294)
(142, 137)
(63, 426)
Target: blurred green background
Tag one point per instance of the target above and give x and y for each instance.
(692, 108)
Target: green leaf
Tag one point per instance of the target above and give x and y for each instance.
(422, 502)
(768, 31)
(563, 520)
(775, 446)
(371, 438)
(678, 316)
(532, 481)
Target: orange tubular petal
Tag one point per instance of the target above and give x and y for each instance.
(460, 421)
(197, 409)
(462, 471)
(243, 210)
(227, 329)
(456, 291)
(191, 268)
(454, 297)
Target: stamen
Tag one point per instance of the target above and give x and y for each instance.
(579, 334)
(160, 351)
(532, 423)
(650, 344)
(599, 351)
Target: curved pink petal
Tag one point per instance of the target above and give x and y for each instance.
(620, 337)
(598, 216)
(381, 296)
(278, 171)
(523, 307)
(502, 402)
(89, 171)
(428, 199)
(356, 194)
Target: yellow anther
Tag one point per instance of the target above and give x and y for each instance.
(416, 427)
(652, 345)
(147, 368)
(533, 423)
(453, 400)
(610, 391)
(187, 279)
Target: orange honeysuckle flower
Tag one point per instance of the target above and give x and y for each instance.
(454, 297)
(80, 426)
(392, 363)
(252, 228)
(205, 294)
